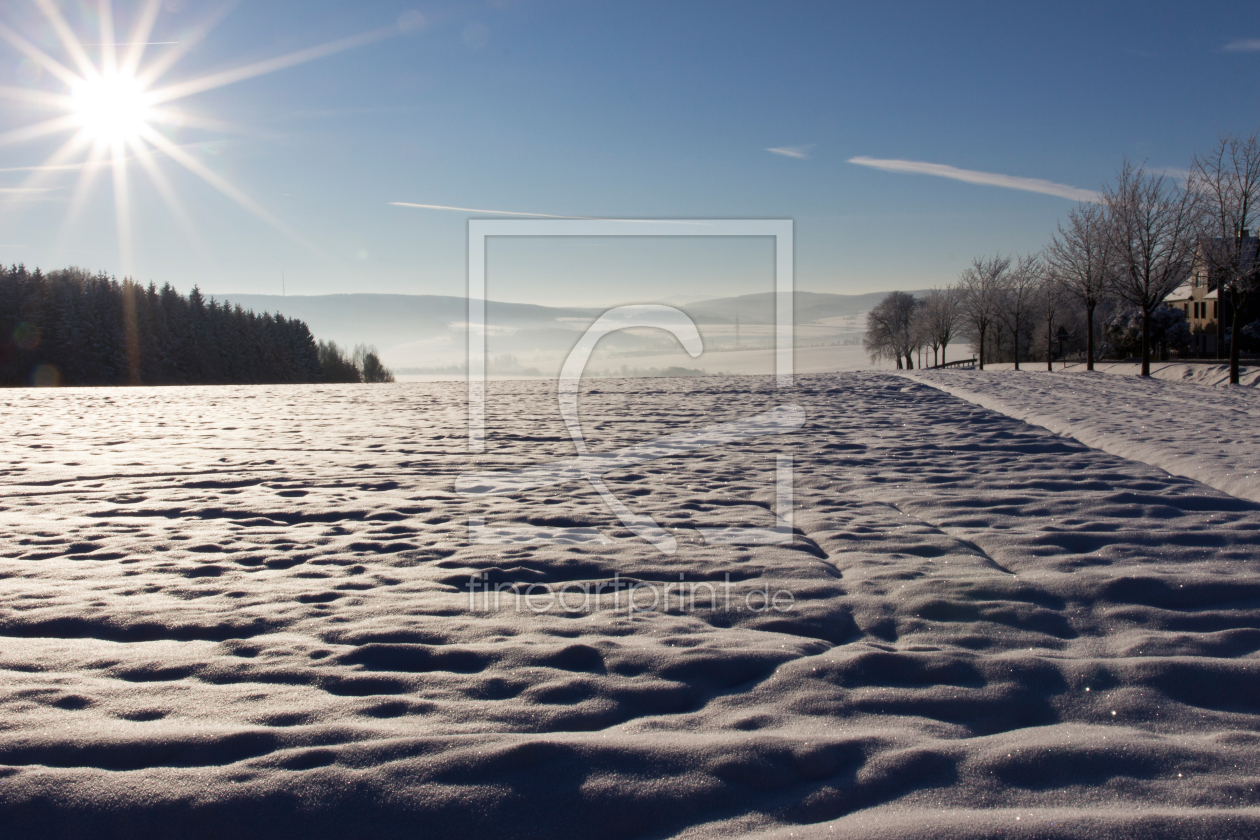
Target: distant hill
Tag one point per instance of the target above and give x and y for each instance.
(373, 312)
(428, 330)
(418, 329)
(811, 307)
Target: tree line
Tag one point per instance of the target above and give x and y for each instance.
(1100, 284)
(71, 327)
(360, 365)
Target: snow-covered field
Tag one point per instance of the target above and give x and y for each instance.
(246, 612)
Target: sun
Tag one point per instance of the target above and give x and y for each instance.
(112, 108)
(119, 111)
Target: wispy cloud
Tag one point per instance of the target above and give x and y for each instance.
(550, 215)
(971, 176)
(60, 167)
(22, 195)
(1243, 45)
(798, 152)
(491, 212)
(1174, 172)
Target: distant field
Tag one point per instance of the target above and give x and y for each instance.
(737, 362)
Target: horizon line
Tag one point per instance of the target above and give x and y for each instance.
(229, 295)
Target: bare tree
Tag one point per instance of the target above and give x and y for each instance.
(880, 332)
(1227, 183)
(370, 366)
(923, 337)
(1051, 293)
(979, 296)
(1018, 290)
(1152, 227)
(939, 318)
(1083, 263)
(890, 332)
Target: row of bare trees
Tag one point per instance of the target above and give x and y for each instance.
(997, 305)
(1136, 244)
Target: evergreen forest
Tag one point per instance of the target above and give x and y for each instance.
(71, 327)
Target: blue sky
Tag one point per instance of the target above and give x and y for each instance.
(625, 110)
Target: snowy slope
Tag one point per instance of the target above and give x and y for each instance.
(1197, 373)
(244, 612)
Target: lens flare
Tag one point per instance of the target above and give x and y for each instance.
(46, 376)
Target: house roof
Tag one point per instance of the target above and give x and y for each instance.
(1184, 293)
(1249, 253)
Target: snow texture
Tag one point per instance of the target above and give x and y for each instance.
(244, 611)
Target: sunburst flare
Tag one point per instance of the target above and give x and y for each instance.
(115, 109)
